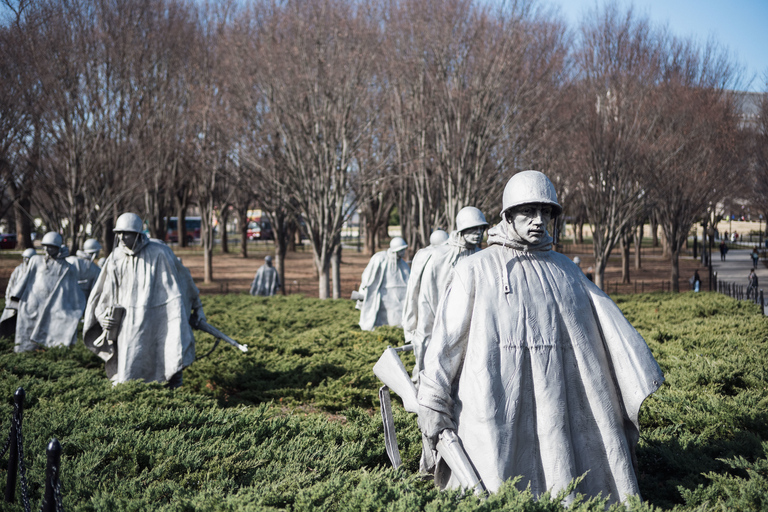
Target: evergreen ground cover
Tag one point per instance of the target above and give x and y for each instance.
(294, 425)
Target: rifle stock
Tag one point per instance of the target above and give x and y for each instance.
(391, 371)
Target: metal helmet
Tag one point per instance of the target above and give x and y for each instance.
(530, 187)
(268, 259)
(128, 222)
(52, 238)
(470, 217)
(397, 244)
(438, 237)
(577, 260)
(28, 253)
(91, 246)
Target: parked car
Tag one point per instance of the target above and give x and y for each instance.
(193, 229)
(260, 229)
(8, 241)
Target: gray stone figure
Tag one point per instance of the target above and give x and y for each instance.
(85, 263)
(138, 315)
(532, 366)
(8, 318)
(267, 280)
(382, 287)
(465, 241)
(411, 305)
(50, 301)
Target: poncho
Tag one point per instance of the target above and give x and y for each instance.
(8, 318)
(266, 282)
(50, 304)
(432, 284)
(87, 271)
(155, 340)
(539, 372)
(383, 286)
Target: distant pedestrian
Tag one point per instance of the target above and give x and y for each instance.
(755, 257)
(696, 281)
(752, 280)
(723, 250)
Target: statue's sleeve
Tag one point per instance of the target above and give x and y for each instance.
(444, 357)
(18, 288)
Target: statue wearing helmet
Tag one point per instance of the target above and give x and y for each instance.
(266, 282)
(8, 318)
(532, 366)
(382, 287)
(427, 284)
(147, 297)
(50, 302)
(85, 264)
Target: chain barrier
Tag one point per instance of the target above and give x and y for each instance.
(52, 498)
(22, 466)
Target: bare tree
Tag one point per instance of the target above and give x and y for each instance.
(314, 62)
(693, 157)
(618, 62)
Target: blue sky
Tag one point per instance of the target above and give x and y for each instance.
(739, 25)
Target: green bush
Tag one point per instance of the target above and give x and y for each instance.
(294, 424)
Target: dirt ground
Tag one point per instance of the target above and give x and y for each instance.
(233, 273)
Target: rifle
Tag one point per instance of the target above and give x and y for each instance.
(202, 325)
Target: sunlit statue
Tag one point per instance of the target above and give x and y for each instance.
(532, 366)
(8, 318)
(85, 263)
(465, 241)
(382, 287)
(50, 300)
(267, 280)
(139, 311)
(410, 307)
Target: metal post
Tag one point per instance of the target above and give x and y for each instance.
(13, 451)
(51, 475)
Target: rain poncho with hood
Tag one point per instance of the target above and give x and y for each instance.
(155, 339)
(50, 304)
(8, 318)
(87, 271)
(266, 282)
(434, 277)
(383, 286)
(538, 372)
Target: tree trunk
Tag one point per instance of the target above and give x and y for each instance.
(674, 276)
(370, 238)
(242, 223)
(625, 243)
(23, 226)
(638, 246)
(181, 224)
(223, 219)
(654, 231)
(600, 264)
(336, 270)
(206, 234)
(322, 266)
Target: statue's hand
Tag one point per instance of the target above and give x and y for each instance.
(199, 314)
(107, 323)
(432, 423)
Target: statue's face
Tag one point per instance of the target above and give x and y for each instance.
(128, 238)
(530, 221)
(400, 253)
(52, 250)
(473, 236)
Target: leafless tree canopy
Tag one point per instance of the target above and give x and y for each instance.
(313, 110)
